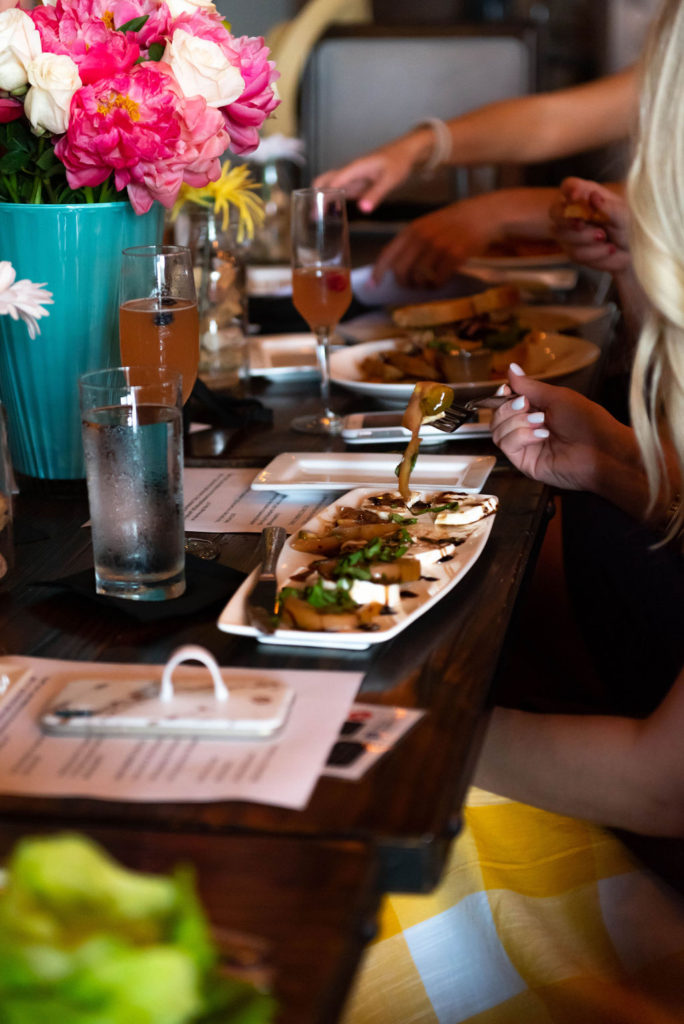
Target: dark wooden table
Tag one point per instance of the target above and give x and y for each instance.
(408, 805)
(304, 884)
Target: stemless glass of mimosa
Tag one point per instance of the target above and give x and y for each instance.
(158, 321)
(321, 291)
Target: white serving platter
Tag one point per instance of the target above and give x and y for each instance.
(276, 356)
(558, 356)
(443, 577)
(341, 471)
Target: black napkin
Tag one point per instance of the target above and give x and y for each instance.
(222, 410)
(207, 583)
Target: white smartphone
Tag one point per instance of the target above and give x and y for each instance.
(256, 707)
(385, 427)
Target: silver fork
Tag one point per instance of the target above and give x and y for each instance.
(458, 412)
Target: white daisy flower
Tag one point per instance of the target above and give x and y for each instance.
(22, 300)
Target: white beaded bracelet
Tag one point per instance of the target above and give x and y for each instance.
(441, 148)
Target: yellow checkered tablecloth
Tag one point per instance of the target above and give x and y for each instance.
(539, 919)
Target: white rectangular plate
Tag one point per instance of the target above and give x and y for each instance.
(269, 279)
(283, 355)
(481, 427)
(340, 471)
(443, 576)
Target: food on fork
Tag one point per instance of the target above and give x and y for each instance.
(580, 209)
(427, 403)
(377, 558)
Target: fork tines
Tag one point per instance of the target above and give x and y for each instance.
(453, 417)
(458, 413)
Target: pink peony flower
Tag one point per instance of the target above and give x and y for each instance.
(74, 26)
(10, 109)
(93, 45)
(203, 25)
(140, 126)
(246, 115)
(107, 54)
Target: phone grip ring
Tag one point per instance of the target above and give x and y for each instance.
(192, 652)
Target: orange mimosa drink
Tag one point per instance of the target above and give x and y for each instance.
(165, 335)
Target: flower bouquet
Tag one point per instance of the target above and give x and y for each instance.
(98, 97)
(109, 110)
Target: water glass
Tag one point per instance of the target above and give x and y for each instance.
(131, 418)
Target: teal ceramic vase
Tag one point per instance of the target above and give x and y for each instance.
(75, 251)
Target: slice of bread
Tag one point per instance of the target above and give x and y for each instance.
(445, 311)
(581, 210)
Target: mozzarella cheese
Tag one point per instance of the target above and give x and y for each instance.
(365, 592)
(471, 508)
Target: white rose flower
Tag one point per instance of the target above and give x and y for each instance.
(54, 79)
(202, 69)
(178, 7)
(19, 43)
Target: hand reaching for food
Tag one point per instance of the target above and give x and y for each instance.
(591, 222)
(430, 250)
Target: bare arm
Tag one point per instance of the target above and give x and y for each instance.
(626, 773)
(431, 248)
(526, 129)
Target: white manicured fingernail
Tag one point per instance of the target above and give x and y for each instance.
(503, 389)
(535, 417)
(541, 432)
(517, 370)
(519, 403)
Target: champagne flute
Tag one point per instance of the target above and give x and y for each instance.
(158, 321)
(321, 291)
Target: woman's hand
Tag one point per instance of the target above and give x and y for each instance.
(370, 178)
(430, 249)
(557, 436)
(604, 246)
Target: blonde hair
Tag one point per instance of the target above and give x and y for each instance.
(655, 192)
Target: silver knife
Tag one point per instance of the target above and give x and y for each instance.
(260, 605)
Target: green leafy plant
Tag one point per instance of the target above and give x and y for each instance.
(85, 941)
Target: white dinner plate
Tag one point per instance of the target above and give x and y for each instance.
(549, 259)
(558, 356)
(283, 355)
(443, 576)
(341, 471)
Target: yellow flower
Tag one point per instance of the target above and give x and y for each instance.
(233, 188)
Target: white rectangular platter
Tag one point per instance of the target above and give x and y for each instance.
(341, 471)
(440, 578)
(275, 356)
